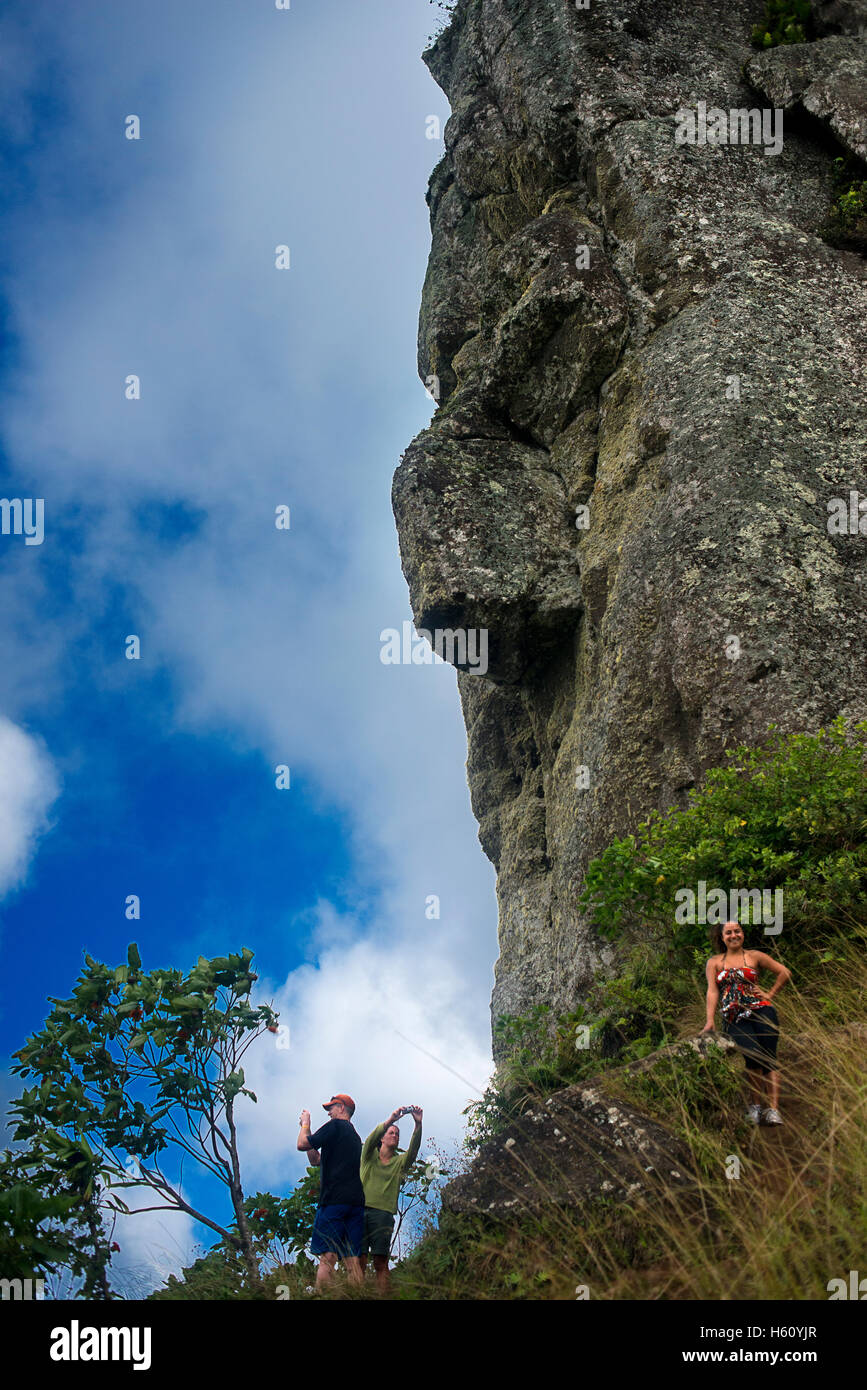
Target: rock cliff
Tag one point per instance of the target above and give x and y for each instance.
(650, 366)
(578, 1144)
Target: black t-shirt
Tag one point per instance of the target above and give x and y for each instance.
(340, 1169)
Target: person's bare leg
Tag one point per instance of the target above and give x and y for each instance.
(380, 1264)
(325, 1270)
(773, 1080)
(754, 1078)
(362, 1260)
(353, 1269)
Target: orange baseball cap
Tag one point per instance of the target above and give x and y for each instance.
(341, 1096)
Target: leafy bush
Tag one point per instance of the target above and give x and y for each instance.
(790, 815)
(280, 1230)
(847, 222)
(48, 1213)
(215, 1277)
(785, 21)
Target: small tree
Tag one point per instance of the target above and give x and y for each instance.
(136, 1064)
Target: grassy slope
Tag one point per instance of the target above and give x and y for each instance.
(794, 1218)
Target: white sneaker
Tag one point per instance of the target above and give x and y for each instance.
(772, 1117)
(754, 1114)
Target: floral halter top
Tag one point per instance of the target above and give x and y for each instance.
(737, 1000)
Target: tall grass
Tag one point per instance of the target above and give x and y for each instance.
(773, 1212)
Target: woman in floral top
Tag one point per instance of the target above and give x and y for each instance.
(749, 1016)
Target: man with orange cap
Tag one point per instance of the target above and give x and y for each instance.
(338, 1229)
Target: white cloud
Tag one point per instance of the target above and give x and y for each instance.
(260, 389)
(153, 1244)
(389, 1026)
(30, 786)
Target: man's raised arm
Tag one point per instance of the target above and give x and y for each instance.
(304, 1139)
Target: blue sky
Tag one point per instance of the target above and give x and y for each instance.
(259, 647)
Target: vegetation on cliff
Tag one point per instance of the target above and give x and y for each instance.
(785, 21)
(772, 1214)
(787, 818)
(847, 222)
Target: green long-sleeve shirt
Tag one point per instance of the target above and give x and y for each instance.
(382, 1181)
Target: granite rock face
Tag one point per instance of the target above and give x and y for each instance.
(577, 1145)
(825, 79)
(651, 379)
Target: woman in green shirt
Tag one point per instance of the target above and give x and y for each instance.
(383, 1170)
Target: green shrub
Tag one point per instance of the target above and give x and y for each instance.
(790, 815)
(785, 21)
(538, 1055)
(847, 221)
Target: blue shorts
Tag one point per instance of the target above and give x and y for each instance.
(338, 1231)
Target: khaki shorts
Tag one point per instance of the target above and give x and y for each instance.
(378, 1230)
